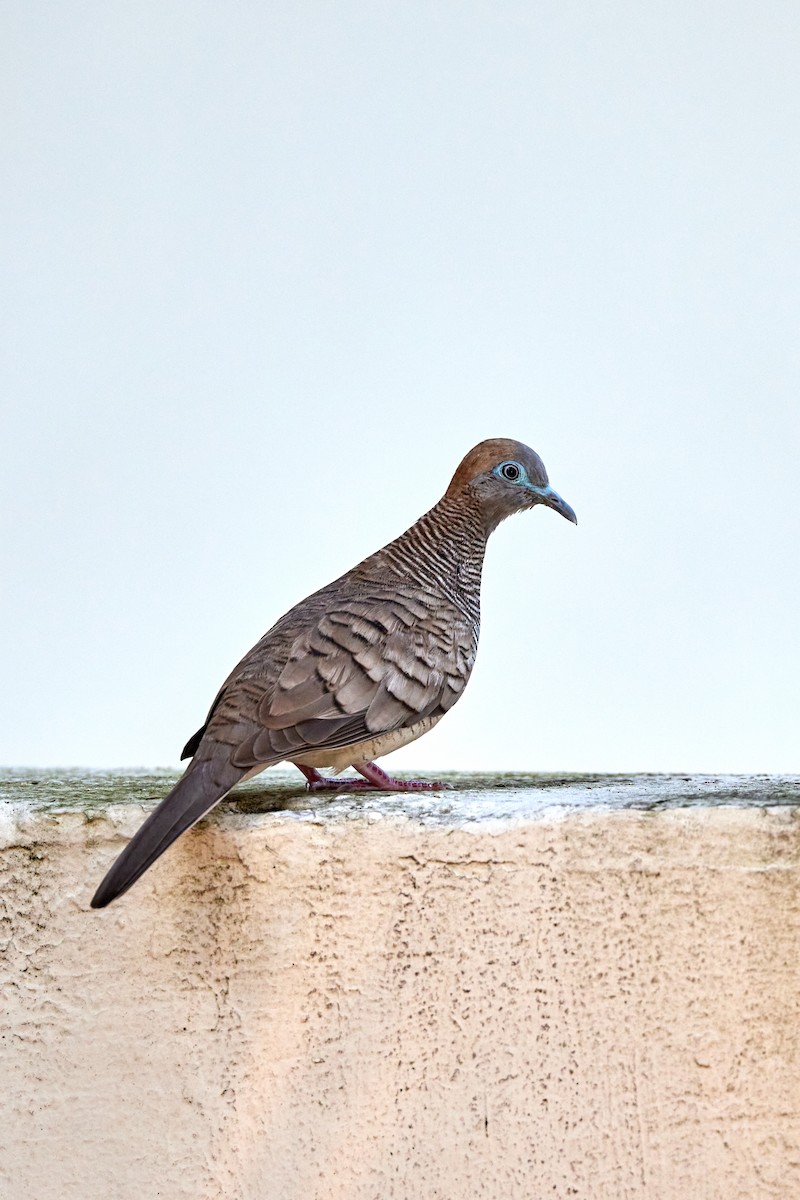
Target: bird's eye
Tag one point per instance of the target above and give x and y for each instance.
(510, 471)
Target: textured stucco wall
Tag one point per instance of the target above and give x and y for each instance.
(589, 989)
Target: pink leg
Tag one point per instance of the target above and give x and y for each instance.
(387, 783)
(322, 783)
(375, 780)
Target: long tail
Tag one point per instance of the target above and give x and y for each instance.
(203, 785)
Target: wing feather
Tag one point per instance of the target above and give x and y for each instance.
(356, 671)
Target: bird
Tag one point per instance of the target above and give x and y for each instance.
(367, 664)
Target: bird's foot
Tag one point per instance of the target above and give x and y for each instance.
(326, 783)
(375, 780)
(382, 782)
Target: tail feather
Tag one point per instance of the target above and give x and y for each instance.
(203, 785)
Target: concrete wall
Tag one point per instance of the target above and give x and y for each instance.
(588, 990)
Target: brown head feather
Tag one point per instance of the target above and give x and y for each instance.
(489, 454)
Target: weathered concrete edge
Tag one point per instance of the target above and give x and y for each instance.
(474, 795)
(83, 809)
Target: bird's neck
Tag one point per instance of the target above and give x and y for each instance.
(444, 551)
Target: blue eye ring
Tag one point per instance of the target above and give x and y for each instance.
(510, 471)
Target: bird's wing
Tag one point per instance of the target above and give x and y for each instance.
(364, 667)
(359, 668)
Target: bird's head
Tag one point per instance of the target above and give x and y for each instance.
(506, 477)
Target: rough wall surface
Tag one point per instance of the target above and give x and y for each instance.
(510, 993)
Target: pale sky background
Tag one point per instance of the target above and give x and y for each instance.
(272, 268)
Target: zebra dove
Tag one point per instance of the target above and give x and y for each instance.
(361, 667)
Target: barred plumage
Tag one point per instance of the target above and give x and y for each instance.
(366, 664)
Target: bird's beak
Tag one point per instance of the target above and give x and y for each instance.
(547, 496)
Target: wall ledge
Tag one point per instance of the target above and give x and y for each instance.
(532, 985)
